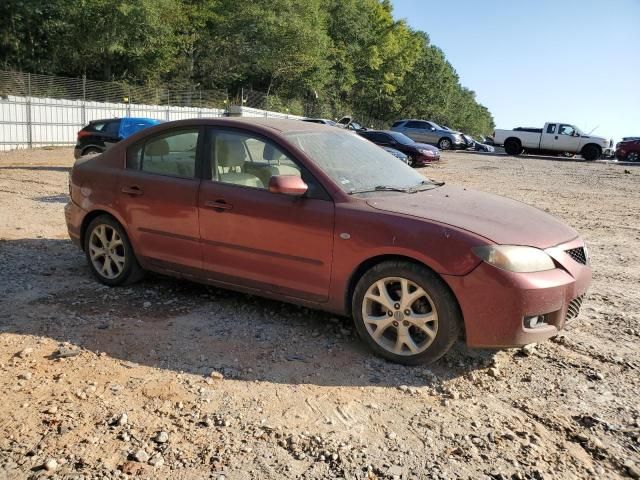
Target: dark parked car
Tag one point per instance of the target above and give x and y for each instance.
(350, 124)
(420, 154)
(101, 134)
(320, 217)
(397, 153)
(479, 146)
(628, 150)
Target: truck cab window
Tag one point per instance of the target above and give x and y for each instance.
(551, 128)
(566, 130)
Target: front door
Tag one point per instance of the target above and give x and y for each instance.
(418, 131)
(158, 198)
(566, 139)
(252, 237)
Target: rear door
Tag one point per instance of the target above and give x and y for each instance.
(252, 237)
(158, 198)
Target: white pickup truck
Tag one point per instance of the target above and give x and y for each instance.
(554, 138)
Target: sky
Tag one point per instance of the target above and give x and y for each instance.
(532, 62)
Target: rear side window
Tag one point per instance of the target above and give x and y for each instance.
(172, 154)
(112, 128)
(551, 128)
(95, 127)
(415, 124)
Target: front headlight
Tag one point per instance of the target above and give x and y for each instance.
(515, 258)
(424, 151)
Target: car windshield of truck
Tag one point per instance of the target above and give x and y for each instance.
(401, 138)
(356, 165)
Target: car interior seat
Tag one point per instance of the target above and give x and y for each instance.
(231, 156)
(275, 158)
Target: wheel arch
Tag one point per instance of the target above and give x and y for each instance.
(515, 139)
(89, 217)
(369, 263)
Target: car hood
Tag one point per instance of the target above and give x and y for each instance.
(425, 146)
(501, 220)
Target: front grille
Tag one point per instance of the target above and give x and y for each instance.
(578, 254)
(574, 308)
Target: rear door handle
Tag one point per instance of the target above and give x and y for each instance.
(218, 205)
(132, 190)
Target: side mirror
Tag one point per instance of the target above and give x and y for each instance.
(433, 129)
(288, 185)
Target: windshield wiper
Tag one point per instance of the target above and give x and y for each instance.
(423, 184)
(382, 188)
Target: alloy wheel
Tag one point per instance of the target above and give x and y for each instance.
(400, 316)
(633, 157)
(106, 251)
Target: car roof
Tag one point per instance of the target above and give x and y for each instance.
(280, 125)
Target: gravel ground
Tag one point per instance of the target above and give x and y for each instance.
(169, 379)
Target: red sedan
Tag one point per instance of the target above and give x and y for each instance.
(320, 217)
(628, 150)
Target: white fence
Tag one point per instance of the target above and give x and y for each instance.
(27, 122)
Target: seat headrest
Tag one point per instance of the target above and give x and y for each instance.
(157, 147)
(230, 151)
(271, 153)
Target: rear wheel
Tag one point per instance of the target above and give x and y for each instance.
(513, 146)
(444, 144)
(91, 151)
(632, 157)
(405, 313)
(591, 152)
(109, 252)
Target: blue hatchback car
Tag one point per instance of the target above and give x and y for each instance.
(101, 134)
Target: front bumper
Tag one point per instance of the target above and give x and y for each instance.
(423, 160)
(495, 302)
(74, 215)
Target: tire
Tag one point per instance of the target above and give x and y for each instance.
(591, 152)
(91, 151)
(632, 157)
(404, 338)
(444, 144)
(513, 146)
(114, 272)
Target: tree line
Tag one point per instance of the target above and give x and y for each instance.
(322, 57)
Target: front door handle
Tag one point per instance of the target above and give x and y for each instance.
(556, 137)
(218, 205)
(132, 190)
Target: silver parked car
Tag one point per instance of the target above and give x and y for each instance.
(430, 132)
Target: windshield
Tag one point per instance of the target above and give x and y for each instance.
(355, 163)
(401, 138)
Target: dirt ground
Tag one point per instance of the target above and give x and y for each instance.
(168, 379)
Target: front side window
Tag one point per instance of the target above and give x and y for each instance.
(354, 163)
(566, 130)
(247, 160)
(172, 154)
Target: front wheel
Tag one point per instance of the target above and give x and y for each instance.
(591, 152)
(109, 252)
(444, 144)
(405, 313)
(632, 157)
